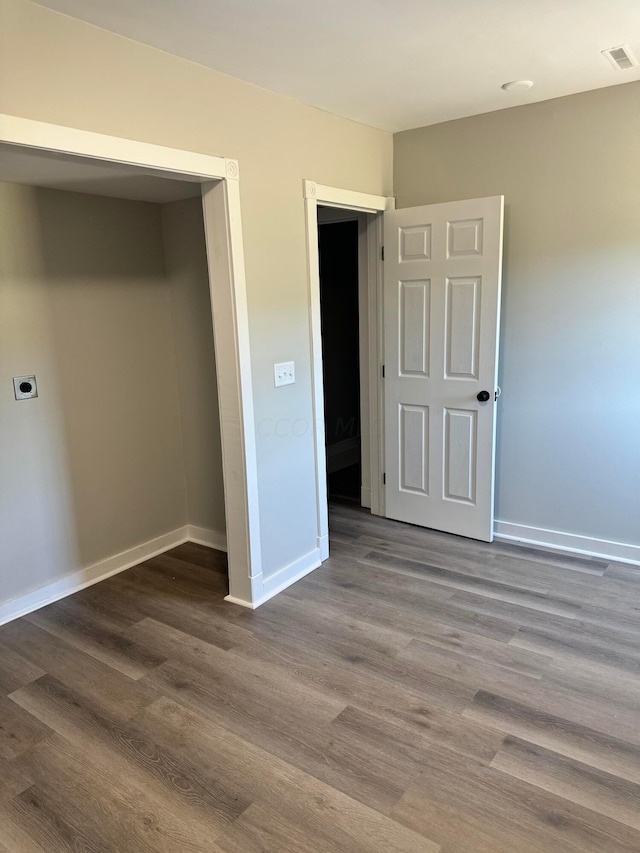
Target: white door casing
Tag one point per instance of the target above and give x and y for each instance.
(442, 283)
(350, 201)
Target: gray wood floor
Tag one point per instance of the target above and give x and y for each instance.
(419, 692)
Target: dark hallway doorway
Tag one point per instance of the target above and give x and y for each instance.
(339, 311)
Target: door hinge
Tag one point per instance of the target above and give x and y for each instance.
(382, 253)
(384, 479)
(383, 371)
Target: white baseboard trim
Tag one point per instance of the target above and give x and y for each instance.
(365, 497)
(620, 552)
(287, 575)
(282, 579)
(205, 536)
(104, 569)
(76, 581)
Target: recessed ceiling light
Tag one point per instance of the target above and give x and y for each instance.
(517, 85)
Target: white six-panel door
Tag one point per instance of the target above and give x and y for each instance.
(441, 316)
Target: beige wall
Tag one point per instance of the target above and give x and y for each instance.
(93, 466)
(37, 532)
(568, 454)
(186, 269)
(56, 69)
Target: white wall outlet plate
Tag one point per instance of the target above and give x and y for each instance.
(24, 387)
(284, 373)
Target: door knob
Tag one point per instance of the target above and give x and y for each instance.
(483, 396)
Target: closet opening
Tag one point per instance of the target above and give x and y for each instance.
(112, 273)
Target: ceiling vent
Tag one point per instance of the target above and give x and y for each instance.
(621, 57)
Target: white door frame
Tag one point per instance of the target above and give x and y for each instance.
(220, 189)
(315, 194)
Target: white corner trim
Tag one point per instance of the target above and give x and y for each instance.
(100, 571)
(620, 552)
(282, 579)
(204, 536)
(242, 602)
(232, 169)
(323, 547)
(309, 189)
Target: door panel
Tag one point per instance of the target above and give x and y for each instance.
(414, 449)
(442, 308)
(459, 454)
(413, 334)
(414, 243)
(462, 327)
(464, 238)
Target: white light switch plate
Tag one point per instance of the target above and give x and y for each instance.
(284, 373)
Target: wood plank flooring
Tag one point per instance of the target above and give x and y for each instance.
(418, 693)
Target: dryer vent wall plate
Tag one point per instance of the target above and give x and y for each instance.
(24, 387)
